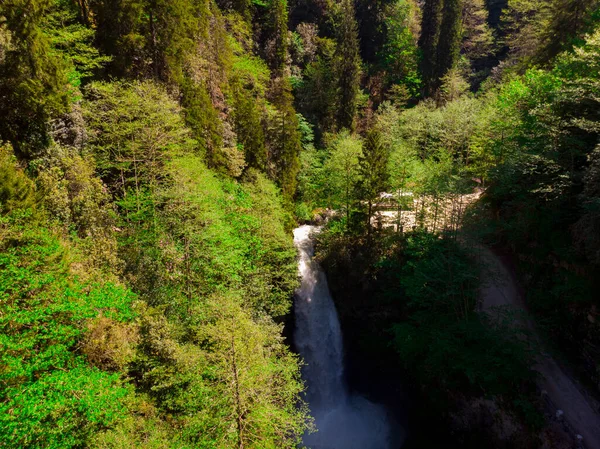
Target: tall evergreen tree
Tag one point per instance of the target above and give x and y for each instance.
(149, 37)
(448, 48)
(203, 119)
(347, 66)
(568, 18)
(373, 168)
(249, 129)
(428, 42)
(33, 78)
(278, 41)
(119, 33)
(521, 26)
(477, 39)
(440, 41)
(285, 143)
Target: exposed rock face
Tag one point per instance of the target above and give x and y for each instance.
(69, 129)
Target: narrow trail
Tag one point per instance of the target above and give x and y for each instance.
(500, 289)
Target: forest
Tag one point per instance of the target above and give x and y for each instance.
(155, 156)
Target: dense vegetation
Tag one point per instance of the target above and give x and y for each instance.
(154, 156)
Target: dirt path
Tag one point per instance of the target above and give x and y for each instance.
(570, 400)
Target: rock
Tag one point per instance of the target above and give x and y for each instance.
(559, 414)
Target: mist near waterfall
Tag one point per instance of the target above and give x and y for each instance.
(343, 421)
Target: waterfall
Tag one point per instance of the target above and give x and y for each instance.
(343, 421)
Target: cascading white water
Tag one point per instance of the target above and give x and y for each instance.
(343, 421)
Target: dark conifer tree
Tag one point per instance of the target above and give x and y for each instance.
(568, 19)
(203, 119)
(448, 47)
(373, 167)
(33, 78)
(241, 6)
(284, 156)
(149, 37)
(278, 41)
(119, 33)
(249, 129)
(428, 42)
(347, 66)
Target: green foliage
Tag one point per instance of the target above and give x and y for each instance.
(249, 128)
(346, 66)
(134, 129)
(78, 202)
(33, 76)
(62, 409)
(442, 38)
(257, 378)
(74, 41)
(316, 94)
(215, 259)
(328, 176)
(448, 47)
(400, 55)
(445, 344)
(279, 24)
(183, 178)
(344, 171)
(477, 39)
(252, 71)
(16, 189)
(428, 41)
(50, 397)
(373, 170)
(153, 38)
(543, 135)
(203, 120)
(284, 139)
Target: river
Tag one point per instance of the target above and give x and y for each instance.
(343, 420)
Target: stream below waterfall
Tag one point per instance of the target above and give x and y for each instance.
(342, 420)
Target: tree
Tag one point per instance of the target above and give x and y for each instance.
(522, 23)
(448, 48)
(134, 130)
(16, 189)
(316, 96)
(567, 20)
(150, 37)
(280, 20)
(440, 41)
(33, 78)
(428, 42)
(477, 40)
(51, 396)
(347, 66)
(248, 128)
(399, 54)
(67, 24)
(275, 36)
(373, 169)
(201, 116)
(343, 171)
(120, 34)
(259, 379)
(284, 140)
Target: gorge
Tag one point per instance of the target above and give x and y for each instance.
(343, 420)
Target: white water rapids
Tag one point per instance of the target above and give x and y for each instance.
(343, 421)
